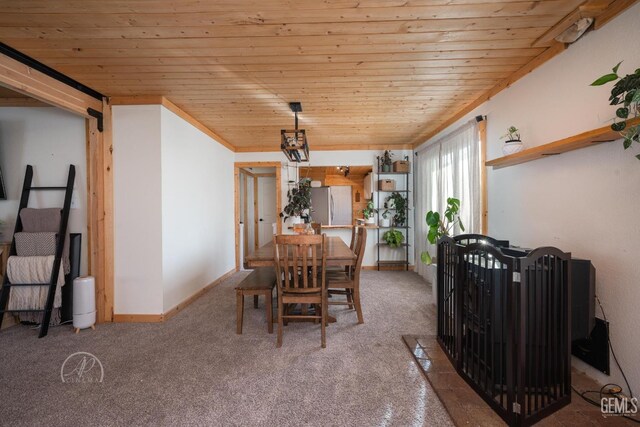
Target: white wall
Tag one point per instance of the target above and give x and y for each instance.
(173, 190)
(337, 158)
(197, 209)
(137, 210)
(49, 139)
(586, 201)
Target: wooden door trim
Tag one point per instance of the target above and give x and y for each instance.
(236, 186)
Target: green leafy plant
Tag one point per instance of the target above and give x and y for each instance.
(441, 225)
(369, 211)
(399, 203)
(393, 238)
(625, 94)
(513, 134)
(385, 214)
(299, 199)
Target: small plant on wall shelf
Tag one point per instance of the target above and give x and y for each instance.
(393, 238)
(513, 143)
(299, 199)
(626, 95)
(441, 225)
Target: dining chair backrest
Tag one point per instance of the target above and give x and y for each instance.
(298, 261)
(359, 248)
(354, 233)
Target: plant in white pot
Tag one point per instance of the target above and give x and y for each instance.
(369, 213)
(513, 143)
(299, 201)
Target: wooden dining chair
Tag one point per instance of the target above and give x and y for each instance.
(347, 282)
(300, 273)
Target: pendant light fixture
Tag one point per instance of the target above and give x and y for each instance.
(294, 142)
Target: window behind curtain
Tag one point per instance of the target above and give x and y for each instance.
(448, 168)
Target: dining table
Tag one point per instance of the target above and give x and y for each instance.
(338, 254)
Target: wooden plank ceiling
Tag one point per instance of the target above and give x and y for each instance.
(369, 73)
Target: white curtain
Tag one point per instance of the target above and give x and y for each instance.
(448, 168)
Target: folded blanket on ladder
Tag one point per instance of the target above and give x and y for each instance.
(37, 224)
(32, 269)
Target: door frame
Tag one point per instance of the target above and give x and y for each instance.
(236, 192)
(36, 80)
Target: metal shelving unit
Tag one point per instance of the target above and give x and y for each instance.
(405, 227)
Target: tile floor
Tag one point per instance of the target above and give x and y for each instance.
(467, 408)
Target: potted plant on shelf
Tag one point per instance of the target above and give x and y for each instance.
(441, 225)
(299, 201)
(386, 161)
(393, 238)
(399, 204)
(626, 95)
(385, 220)
(369, 212)
(513, 143)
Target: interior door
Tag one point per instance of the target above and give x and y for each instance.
(267, 215)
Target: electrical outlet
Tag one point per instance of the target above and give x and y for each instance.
(75, 201)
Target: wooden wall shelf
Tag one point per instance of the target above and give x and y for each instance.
(586, 139)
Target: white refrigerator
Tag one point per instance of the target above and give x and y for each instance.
(332, 205)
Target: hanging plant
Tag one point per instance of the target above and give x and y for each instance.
(625, 94)
(299, 200)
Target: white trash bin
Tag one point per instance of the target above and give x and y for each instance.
(84, 303)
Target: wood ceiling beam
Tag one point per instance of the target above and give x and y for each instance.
(22, 102)
(33, 83)
(616, 8)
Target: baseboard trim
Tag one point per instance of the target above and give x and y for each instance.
(181, 306)
(158, 318)
(388, 267)
(137, 318)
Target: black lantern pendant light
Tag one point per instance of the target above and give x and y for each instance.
(294, 142)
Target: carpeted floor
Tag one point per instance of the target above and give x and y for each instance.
(195, 370)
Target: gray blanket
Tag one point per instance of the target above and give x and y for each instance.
(35, 240)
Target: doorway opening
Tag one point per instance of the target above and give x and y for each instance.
(258, 206)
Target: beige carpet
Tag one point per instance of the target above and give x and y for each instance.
(195, 370)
